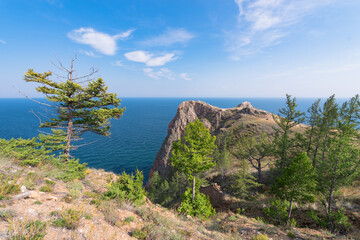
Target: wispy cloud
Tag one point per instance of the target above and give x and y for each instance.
(101, 42)
(165, 73)
(263, 23)
(149, 59)
(185, 76)
(118, 63)
(2, 41)
(169, 37)
(88, 53)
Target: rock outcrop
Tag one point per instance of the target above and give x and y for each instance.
(216, 119)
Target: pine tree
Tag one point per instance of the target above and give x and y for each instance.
(284, 140)
(255, 151)
(296, 183)
(81, 104)
(341, 163)
(192, 153)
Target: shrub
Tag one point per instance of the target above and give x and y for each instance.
(109, 210)
(49, 182)
(200, 207)
(129, 219)
(23, 230)
(75, 188)
(128, 187)
(7, 214)
(167, 193)
(8, 185)
(260, 237)
(277, 211)
(46, 188)
(68, 218)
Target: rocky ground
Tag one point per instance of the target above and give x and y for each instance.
(74, 210)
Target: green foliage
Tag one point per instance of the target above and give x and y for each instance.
(260, 237)
(8, 184)
(140, 234)
(33, 152)
(75, 189)
(27, 230)
(277, 211)
(192, 153)
(46, 188)
(296, 182)
(129, 219)
(255, 151)
(338, 218)
(284, 141)
(244, 181)
(128, 187)
(68, 218)
(78, 107)
(200, 207)
(167, 193)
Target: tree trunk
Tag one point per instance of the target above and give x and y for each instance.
(289, 213)
(70, 119)
(69, 135)
(259, 172)
(193, 190)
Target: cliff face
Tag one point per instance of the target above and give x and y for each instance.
(216, 119)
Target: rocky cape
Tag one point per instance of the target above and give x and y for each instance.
(243, 117)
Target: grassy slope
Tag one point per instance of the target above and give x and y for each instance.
(93, 218)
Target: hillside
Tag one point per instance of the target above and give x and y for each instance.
(43, 200)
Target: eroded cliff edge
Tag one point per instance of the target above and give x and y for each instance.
(244, 117)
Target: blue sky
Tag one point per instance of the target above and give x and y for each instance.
(187, 48)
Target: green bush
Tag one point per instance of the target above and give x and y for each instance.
(260, 237)
(68, 218)
(8, 185)
(277, 212)
(46, 188)
(200, 207)
(339, 219)
(128, 187)
(167, 193)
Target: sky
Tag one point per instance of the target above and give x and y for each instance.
(187, 48)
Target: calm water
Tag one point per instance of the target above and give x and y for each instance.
(135, 138)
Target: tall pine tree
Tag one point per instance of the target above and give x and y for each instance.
(81, 104)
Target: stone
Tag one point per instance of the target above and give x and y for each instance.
(23, 189)
(214, 118)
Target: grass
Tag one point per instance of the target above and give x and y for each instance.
(260, 237)
(109, 210)
(75, 189)
(129, 219)
(46, 188)
(8, 184)
(68, 218)
(27, 229)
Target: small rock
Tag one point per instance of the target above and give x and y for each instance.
(23, 188)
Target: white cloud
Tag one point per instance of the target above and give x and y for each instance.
(165, 73)
(149, 59)
(162, 73)
(263, 23)
(2, 41)
(88, 53)
(169, 37)
(101, 42)
(185, 76)
(118, 63)
(160, 61)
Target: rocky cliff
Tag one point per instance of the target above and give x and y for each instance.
(217, 120)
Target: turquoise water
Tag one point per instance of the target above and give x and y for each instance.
(135, 138)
